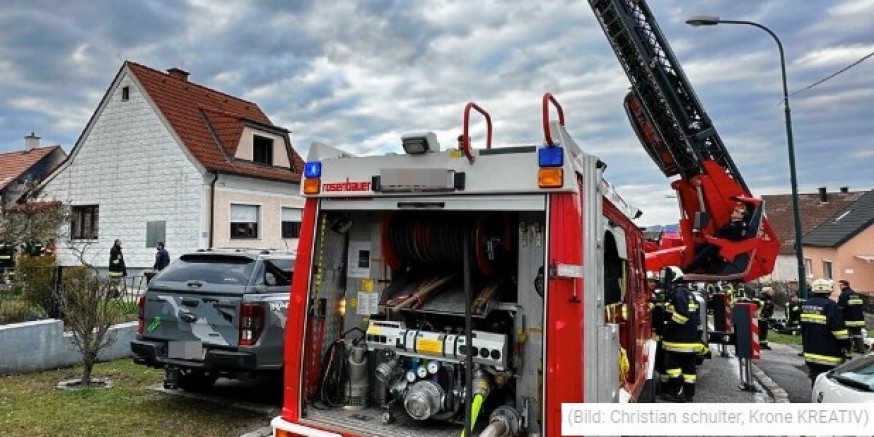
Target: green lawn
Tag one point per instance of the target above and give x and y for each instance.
(31, 405)
(776, 337)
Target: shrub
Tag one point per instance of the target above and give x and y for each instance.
(36, 276)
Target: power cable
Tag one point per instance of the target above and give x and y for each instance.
(833, 74)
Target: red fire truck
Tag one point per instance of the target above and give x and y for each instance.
(447, 290)
(460, 290)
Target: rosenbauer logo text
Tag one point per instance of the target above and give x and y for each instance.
(346, 186)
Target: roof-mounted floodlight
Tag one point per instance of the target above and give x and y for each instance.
(415, 144)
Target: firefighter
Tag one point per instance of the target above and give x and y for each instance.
(7, 259)
(824, 335)
(657, 307)
(766, 311)
(793, 312)
(851, 305)
(681, 341)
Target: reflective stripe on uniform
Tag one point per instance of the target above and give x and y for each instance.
(822, 359)
(115, 274)
(841, 334)
(689, 378)
(681, 347)
(813, 318)
(855, 323)
(855, 301)
(673, 373)
(679, 318)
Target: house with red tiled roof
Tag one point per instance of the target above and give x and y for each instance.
(815, 209)
(166, 159)
(21, 170)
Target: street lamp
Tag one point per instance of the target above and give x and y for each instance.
(707, 20)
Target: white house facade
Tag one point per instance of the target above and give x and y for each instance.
(144, 171)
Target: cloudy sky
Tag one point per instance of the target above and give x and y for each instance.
(359, 74)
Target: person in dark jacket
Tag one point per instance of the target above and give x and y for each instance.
(681, 340)
(658, 311)
(117, 269)
(851, 305)
(707, 254)
(766, 311)
(793, 311)
(162, 257)
(824, 335)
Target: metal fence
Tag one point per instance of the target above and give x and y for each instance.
(18, 303)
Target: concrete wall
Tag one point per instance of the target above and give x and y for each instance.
(43, 345)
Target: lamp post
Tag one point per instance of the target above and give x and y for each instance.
(706, 20)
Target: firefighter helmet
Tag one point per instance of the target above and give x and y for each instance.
(672, 274)
(821, 286)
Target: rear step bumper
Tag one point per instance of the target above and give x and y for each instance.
(153, 353)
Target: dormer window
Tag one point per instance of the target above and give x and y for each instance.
(125, 93)
(262, 150)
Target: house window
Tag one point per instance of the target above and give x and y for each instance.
(262, 150)
(290, 222)
(155, 232)
(244, 221)
(826, 269)
(808, 267)
(125, 93)
(83, 225)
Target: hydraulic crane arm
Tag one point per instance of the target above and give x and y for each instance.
(678, 135)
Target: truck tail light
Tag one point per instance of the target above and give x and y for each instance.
(141, 314)
(251, 323)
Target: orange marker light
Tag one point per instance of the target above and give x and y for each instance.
(312, 186)
(550, 178)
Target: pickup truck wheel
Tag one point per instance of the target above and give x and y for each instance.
(196, 380)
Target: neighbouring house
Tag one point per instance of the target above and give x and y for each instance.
(815, 209)
(165, 159)
(21, 170)
(842, 247)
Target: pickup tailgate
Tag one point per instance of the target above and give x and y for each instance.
(212, 319)
(197, 300)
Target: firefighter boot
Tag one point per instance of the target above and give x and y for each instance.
(672, 391)
(859, 345)
(688, 391)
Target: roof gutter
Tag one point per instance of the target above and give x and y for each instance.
(212, 207)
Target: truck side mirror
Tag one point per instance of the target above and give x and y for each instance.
(700, 220)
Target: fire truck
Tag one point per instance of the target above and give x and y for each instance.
(460, 289)
(473, 291)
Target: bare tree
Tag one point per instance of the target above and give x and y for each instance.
(89, 311)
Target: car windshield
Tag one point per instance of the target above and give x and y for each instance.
(212, 269)
(857, 373)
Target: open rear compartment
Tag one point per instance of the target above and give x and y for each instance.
(397, 295)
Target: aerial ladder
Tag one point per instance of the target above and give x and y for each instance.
(675, 131)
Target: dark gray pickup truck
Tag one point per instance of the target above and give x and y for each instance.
(215, 313)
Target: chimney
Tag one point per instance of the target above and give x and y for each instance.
(845, 189)
(178, 73)
(31, 142)
(823, 195)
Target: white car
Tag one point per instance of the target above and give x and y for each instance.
(852, 381)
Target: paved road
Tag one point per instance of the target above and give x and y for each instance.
(719, 382)
(783, 365)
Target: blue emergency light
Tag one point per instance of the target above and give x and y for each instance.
(550, 156)
(312, 169)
